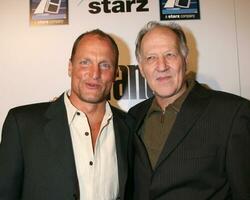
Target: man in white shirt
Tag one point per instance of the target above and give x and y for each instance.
(77, 147)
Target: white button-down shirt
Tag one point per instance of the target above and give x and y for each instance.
(97, 171)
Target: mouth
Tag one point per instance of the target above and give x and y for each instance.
(92, 85)
(163, 78)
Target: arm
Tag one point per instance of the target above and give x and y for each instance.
(11, 161)
(238, 153)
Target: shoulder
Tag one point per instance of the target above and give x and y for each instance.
(118, 112)
(230, 102)
(37, 108)
(220, 99)
(25, 116)
(219, 94)
(140, 107)
(30, 108)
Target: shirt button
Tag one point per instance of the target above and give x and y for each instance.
(77, 113)
(86, 133)
(90, 163)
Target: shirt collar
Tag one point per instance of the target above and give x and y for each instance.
(72, 110)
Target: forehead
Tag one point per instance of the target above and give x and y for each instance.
(160, 36)
(95, 41)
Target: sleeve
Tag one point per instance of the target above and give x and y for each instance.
(238, 154)
(11, 160)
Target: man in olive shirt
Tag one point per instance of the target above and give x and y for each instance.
(160, 122)
(190, 142)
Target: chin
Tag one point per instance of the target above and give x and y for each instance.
(91, 98)
(164, 94)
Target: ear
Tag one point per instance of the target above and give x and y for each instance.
(186, 59)
(70, 68)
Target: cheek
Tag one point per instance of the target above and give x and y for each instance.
(180, 76)
(107, 84)
(108, 76)
(148, 73)
(77, 78)
(78, 73)
(180, 68)
(141, 69)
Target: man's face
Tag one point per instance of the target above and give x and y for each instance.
(92, 70)
(162, 63)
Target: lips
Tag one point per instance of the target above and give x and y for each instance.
(92, 85)
(163, 78)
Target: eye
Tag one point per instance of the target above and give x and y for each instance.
(151, 59)
(170, 54)
(85, 62)
(105, 65)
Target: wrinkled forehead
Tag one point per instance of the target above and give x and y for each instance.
(159, 38)
(163, 33)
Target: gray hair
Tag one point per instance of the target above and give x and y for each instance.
(172, 26)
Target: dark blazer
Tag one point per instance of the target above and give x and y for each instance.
(207, 154)
(36, 154)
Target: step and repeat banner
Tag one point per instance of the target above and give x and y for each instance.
(37, 37)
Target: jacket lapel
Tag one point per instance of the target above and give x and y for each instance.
(59, 139)
(121, 138)
(139, 117)
(191, 111)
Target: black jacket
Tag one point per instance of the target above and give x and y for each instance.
(36, 154)
(207, 154)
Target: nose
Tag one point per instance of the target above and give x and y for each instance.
(95, 72)
(162, 64)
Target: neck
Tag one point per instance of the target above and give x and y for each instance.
(94, 112)
(165, 101)
(85, 106)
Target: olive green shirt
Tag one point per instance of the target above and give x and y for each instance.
(158, 124)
